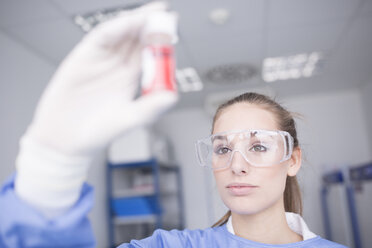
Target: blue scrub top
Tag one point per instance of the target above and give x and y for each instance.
(22, 226)
(217, 237)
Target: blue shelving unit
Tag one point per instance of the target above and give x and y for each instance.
(358, 175)
(329, 179)
(142, 208)
(350, 177)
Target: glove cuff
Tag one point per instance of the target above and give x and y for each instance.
(48, 180)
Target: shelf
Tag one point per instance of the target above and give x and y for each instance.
(168, 167)
(139, 201)
(122, 193)
(141, 164)
(333, 177)
(134, 219)
(361, 173)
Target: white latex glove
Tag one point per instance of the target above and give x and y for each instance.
(89, 101)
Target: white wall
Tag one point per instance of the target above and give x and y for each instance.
(183, 128)
(366, 93)
(98, 215)
(332, 134)
(363, 196)
(23, 76)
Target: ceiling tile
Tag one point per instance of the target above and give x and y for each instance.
(17, 12)
(183, 57)
(86, 6)
(54, 39)
(205, 53)
(317, 84)
(352, 61)
(194, 21)
(366, 9)
(293, 40)
(295, 13)
(256, 29)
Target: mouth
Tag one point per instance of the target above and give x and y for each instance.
(241, 189)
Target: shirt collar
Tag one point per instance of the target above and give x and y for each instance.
(295, 222)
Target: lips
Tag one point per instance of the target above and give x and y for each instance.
(241, 189)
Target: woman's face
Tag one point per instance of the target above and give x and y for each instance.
(246, 189)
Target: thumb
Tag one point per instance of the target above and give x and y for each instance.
(150, 107)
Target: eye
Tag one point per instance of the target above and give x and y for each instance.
(258, 148)
(221, 150)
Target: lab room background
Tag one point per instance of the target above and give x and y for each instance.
(314, 57)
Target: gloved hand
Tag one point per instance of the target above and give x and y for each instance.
(89, 101)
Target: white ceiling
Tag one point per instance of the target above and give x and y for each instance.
(342, 29)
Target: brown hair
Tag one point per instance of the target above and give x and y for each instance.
(292, 193)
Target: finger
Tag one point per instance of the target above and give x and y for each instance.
(127, 25)
(154, 6)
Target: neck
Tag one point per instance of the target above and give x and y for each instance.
(268, 226)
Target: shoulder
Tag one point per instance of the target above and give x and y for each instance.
(214, 237)
(320, 242)
(209, 237)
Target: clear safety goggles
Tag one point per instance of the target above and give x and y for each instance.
(260, 148)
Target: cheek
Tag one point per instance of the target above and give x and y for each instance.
(221, 179)
(273, 183)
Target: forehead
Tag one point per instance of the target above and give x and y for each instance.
(242, 116)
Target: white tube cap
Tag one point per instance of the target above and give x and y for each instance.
(163, 23)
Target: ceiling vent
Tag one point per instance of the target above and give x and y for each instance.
(231, 73)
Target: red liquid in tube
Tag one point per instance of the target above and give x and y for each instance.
(158, 60)
(158, 68)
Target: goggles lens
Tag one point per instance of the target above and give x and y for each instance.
(259, 148)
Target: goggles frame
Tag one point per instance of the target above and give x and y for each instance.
(288, 142)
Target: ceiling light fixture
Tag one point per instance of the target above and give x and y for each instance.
(292, 67)
(188, 80)
(219, 16)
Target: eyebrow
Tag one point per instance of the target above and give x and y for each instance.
(223, 137)
(218, 137)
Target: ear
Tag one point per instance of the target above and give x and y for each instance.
(295, 162)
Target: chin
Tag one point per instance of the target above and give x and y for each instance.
(239, 206)
(247, 206)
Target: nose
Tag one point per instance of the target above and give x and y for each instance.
(238, 164)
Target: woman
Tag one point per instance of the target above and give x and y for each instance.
(92, 98)
(255, 156)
